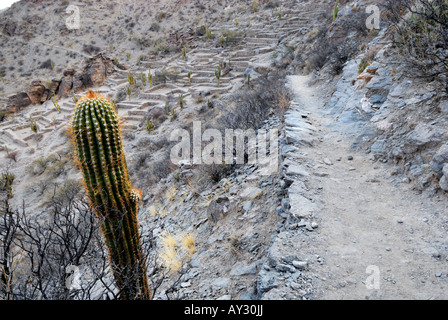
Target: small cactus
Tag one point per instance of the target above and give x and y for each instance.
(33, 125)
(129, 92)
(131, 79)
(150, 126)
(336, 10)
(184, 54)
(221, 41)
(75, 100)
(218, 74)
(255, 6)
(150, 78)
(208, 33)
(101, 159)
(55, 103)
(181, 101)
(189, 77)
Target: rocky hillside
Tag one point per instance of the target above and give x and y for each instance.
(361, 174)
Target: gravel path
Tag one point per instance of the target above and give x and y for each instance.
(373, 236)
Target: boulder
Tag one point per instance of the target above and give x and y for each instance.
(440, 158)
(251, 193)
(17, 102)
(65, 86)
(77, 85)
(96, 71)
(36, 92)
(445, 170)
(444, 107)
(444, 183)
(54, 86)
(424, 134)
(9, 28)
(69, 72)
(217, 209)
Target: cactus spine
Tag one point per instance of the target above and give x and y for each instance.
(101, 158)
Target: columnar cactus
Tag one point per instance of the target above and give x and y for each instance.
(101, 158)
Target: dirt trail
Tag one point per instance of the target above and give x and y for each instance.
(368, 222)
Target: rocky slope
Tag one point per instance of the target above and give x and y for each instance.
(356, 148)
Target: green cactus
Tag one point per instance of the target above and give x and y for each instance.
(167, 107)
(143, 77)
(55, 103)
(181, 101)
(218, 73)
(128, 90)
(150, 77)
(100, 156)
(208, 33)
(150, 126)
(336, 10)
(33, 125)
(189, 76)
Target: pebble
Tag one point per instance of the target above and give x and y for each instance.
(285, 268)
(433, 252)
(328, 162)
(301, 265)
(350, 158)
(439, 274)
(321, 174)
(247, 205)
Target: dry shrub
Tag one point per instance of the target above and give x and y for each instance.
(421, 35)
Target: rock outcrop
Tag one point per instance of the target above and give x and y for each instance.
(97, 69)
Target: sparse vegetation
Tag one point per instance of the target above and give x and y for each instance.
(208, 33)
(6, 181)
(336, 10)
(150, 77)
(181, 101)
(55, 103)
(150, 126)
(189, 76)
(128, 90)
(422, 36)
(218, 74)
(3, 114)
(33, 125)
